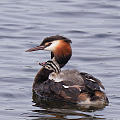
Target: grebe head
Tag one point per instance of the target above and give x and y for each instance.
(59, 46)
(51, 65)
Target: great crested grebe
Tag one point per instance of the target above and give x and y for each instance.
(67, 85)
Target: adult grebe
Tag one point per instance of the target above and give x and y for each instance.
(66, 85)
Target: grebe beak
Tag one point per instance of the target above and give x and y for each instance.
(35, 48)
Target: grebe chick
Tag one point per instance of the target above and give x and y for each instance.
(67, 85)
(51, 65)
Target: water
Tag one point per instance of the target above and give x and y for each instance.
(94, 28)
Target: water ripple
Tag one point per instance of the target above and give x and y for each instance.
(93, 26)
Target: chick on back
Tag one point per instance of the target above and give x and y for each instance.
(69, 83)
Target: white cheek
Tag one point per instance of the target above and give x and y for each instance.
(52, 46)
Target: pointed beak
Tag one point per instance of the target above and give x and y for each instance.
(35, 48)
(42, 64)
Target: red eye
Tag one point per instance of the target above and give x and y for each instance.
(48, 44)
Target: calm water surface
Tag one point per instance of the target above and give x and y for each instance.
(94, 28)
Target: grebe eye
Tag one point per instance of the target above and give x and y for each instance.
(48, 67)
(48, 44)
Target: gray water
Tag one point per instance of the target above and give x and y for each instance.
(94, 28)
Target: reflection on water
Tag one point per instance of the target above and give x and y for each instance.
(63, 114)
(52, 110)
(93, 26)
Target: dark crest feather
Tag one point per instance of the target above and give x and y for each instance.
(57, 37)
